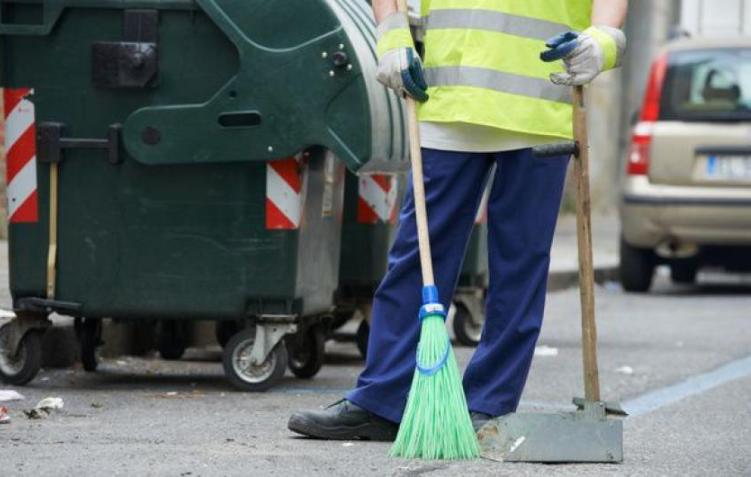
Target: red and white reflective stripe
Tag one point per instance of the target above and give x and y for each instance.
(20, 153)
(283, 194)
(482, 211)
(377, 194)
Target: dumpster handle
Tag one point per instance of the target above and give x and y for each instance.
(50, 142)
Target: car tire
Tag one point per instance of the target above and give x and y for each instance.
(637, 267)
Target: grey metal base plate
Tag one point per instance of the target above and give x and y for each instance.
(580, 436)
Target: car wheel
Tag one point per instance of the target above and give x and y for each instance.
(637, 267)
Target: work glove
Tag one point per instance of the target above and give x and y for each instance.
(585, 55)
(399, 65)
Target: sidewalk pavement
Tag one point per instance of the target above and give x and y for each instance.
(564, 264)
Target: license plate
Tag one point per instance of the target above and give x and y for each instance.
(729, 168)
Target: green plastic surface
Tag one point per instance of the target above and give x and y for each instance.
(365, 247)
(180, 232)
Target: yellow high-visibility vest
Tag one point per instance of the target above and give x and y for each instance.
(482, 63)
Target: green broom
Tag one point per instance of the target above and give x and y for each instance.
(436, 422)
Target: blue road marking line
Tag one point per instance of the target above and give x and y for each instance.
(638, 406)
(692, 386)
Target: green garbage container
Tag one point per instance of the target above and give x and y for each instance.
(184, 159)
(371, 208)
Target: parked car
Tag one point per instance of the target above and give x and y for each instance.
(686, 199)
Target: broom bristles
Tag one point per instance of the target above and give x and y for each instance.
(436, 422)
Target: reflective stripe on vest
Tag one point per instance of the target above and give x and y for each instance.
(494, 21)
(497, 81)
(485, 53)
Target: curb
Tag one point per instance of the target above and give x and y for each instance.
(563, 279)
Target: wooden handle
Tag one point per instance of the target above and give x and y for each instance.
(418, 186)
(401, 6)
(52, 250)
(584, 240)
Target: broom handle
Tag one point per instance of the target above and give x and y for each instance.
(418, 186)
(584, 240)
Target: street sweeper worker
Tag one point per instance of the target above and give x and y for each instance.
(486, 100)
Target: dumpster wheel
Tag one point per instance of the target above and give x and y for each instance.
(90, 337)
(25, 364)
(467, 325)
(172, 339)
(246, 375)
(307, 352)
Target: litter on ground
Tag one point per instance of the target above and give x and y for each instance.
(10, 395)
(546, 351)
(44, 408)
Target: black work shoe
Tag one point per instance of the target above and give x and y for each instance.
(479, 419)
(343, 420)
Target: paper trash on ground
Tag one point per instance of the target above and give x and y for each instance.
(10, 395)
(546, 351)
(44, 408)
(4, 416)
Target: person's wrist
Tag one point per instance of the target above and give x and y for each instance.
(613, 44)
(393, 33)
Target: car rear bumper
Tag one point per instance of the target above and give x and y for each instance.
(652, 214)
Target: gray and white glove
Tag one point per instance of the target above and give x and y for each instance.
(399, 66)
(598, 49)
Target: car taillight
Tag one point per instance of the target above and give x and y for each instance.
(638, 154)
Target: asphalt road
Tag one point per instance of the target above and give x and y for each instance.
(150, 417)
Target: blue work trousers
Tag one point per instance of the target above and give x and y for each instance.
(522, 212)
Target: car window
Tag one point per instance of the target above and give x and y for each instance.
(707, 85)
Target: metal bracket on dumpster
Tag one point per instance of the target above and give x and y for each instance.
(133, 62)
(50, 142)
(270, 329)
(44, 305)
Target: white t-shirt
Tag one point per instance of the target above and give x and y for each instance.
(467, 137)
